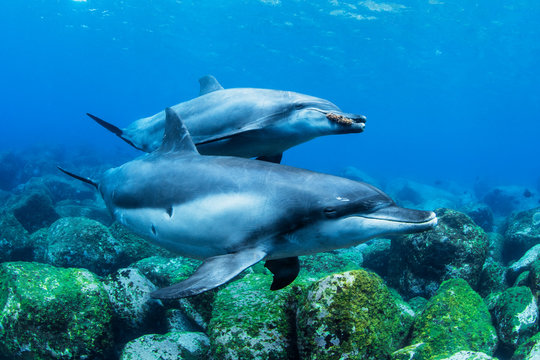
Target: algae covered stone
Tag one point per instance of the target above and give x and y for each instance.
(516, 314)
(455, 318)
(529, 350)
(352, 315)
(249, 321)
(456, 248)
(522, 233)
(170, 346)
(49, 312)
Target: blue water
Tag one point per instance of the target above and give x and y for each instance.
(450, 88)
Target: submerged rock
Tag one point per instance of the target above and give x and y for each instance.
(456, 248)
(351, 315)
(15, 241)
(376, 255)
(326, 263)
(516, 316)
(81, 242)
(492, 278)
(68, 208)
(249, 321)
(34, 210)
(51, 313)
(454, 319)
(528, 350)
(135, 313)
(482, 216)
(522, 233)
(173, 345)
(524, 263)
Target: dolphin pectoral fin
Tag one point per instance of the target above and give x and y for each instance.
(224, 136)
(213, 272)
(284, 270)
(276, 159)
(209, 84)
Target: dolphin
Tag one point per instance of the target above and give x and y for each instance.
(232, 212)
(244, 122)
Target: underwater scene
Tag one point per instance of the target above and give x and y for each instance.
(270, 179)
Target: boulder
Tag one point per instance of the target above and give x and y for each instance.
(173, 345)
(524, 263)
(52, 313)
(69, 208)
(481, 214)
(516, 317)
(33, 209)
(492, 278)
(85, 243)
(521, 234)
(456, 248)
(135, 247)
(351, 315)
(135, 313)
(376, 255)
(529, 349)
(414, 352)
(15, 241)
(249, 321)
(323, 264)
(455, 319)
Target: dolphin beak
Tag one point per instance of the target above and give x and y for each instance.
(349, 120)
(415, 220)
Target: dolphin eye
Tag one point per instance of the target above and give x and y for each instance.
(299, 106)
(330, 213)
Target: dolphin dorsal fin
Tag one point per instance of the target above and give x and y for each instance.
(176, 136)
(209, 84)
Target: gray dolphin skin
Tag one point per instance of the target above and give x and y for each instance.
(233, 212)
(244, 122)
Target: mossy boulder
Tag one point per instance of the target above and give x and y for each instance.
(251, 322)
(33, 209)
(53, 313)
(136, 248)
(135, 313)
(85, 243)
(351, 315)
(414, 352)
(376, 255)
(529, 349)
(454, 319)
(172, 345)
(522, 233)
(326, 263)
(516, 316)
(456, 248)
(14, 239)
(492, 278)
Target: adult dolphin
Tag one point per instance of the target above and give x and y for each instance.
(233, 212)
(244, 122)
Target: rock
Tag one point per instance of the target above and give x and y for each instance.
(469, 355)
(81, 242)
(51, 313)
(351, 315)
(454, 319)
(522, 233)
(482, 216)
(33, 210)
(249, 321)
(418, 304)
(414, 352)
(135, 313)
(495, 247)
(15, 242)
(376, 256)
(529, 350)
(177, 320)
(323, 264)
(522, 279)
(516, 316)
(503, 200)
(456, 248)
(68, 208)
(173, 345)
(534, 278)
(492, 278)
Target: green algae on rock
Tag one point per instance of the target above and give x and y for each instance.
(492, 278)
(351, 315)
(414, 352)
(522, 233)
(249, 321)
(516, 315)
(326, 263)
(14, 239)
(49, 312)
(456, 248)
(455, 318)
(173, 345)
(528, 350)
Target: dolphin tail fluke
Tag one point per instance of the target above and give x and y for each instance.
(83, 179)
(213, 272)
(113, 128)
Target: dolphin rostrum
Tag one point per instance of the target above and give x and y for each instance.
(233, 212)
(244, 122)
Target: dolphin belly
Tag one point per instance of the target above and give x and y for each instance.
(212, 225)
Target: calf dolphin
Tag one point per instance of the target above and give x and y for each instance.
(233, 212)
(244, 122)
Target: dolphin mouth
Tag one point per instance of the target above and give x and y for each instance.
(427, 219)
(347, 119)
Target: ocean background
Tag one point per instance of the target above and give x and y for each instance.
(450, 88)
